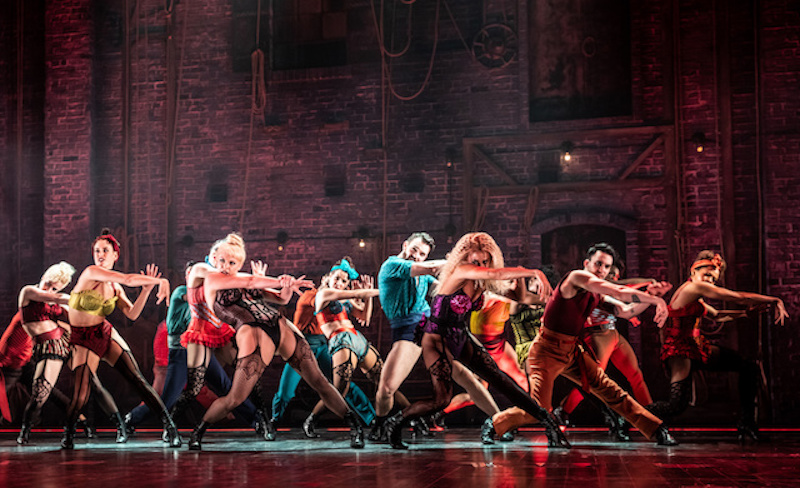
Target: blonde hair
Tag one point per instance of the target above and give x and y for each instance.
(59, 273)
(469, 243)
(234, 244)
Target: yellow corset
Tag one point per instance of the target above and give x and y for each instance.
(491, 319)
(92, 302)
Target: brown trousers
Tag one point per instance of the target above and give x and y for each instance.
(554, 354)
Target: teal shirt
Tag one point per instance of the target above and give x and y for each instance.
(178, 314)
(402, 294)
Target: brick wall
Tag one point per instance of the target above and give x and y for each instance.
(326, 123)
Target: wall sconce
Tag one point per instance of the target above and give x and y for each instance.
(282, 238)
(362, 234)
(699, 140)
(449, 157)
(567, 148)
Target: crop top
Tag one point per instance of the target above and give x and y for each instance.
(40, 312)
(92, 302)
(334, 311)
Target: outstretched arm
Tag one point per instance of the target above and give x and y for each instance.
(589, 282)
(134, 310)
(427, 267)
(708, 290)
(31, 293)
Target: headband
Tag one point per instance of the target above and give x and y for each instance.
(716, 261)
(114, 242)
(345, 266)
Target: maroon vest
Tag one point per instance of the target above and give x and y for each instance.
(568, 315)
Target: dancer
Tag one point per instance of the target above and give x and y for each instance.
(556, 350)
(334, 303)
(178, 319)
(473, 266)
(684, 350)
(96, 294)
(261, 332)
(41, 313)
(305, 320)
(601, 337)
(404, 281)
(205, 333)
(488, 326)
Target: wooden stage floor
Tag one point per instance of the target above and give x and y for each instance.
(454, 458)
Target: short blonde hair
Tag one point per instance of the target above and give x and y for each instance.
(59, 273)
(232, 243)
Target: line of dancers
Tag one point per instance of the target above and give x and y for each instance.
(452, 313)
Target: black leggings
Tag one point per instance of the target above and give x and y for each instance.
(720, 359)
(477, 359)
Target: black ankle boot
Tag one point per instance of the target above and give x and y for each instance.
(745, 430)
(68, 439)
(265, 428)
(376, 432)
(173, 437)
(555, 438)
(88, 431)
(308, 427)
(487, 432)
(393, 427)
(617, 426)
(195, 441)
(663, 437)
(122, 429)
(24, 433)
(356, 431)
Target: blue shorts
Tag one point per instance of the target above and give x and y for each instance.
(354, 341)
(403, 328)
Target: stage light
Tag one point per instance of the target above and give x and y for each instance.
(567, 148)
(282, 238)
(699, 140)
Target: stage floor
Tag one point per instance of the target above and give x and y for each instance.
(454, 458)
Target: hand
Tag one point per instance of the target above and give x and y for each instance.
(258, 268)
(662, 313)
(366, 282)
(300, 283)
(151, 270)
(658, 288)
(163, 291)
(545, 291)
(780, 312)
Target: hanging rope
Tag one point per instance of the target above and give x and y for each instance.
(258, 102)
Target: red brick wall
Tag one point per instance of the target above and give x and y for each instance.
(328, 122)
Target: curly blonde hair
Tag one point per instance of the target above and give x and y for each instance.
(233, 243)
(469, 243)
(59, 273)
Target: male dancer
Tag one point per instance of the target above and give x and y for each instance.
(403, 282)
(557, 351)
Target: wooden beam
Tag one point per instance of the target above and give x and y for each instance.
(469, 190)
(564, 186)
(640, 159)
(496, 167)
(560, 136)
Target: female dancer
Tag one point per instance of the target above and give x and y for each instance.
(40, 308)
(261, 332)
(96, 294)
(474, 265)
(685, 350)
(348, 348)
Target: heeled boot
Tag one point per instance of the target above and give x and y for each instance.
(88, 430)
(265, 428)
(663, 437)
(309, 427)
(122, 430)
(24, 433)
(487, 432)
(68, 439)
(356, 431)
(747, 430)
(195, 441)
(393, 427)
(555, 438)
(376, 432)
(171, 431)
